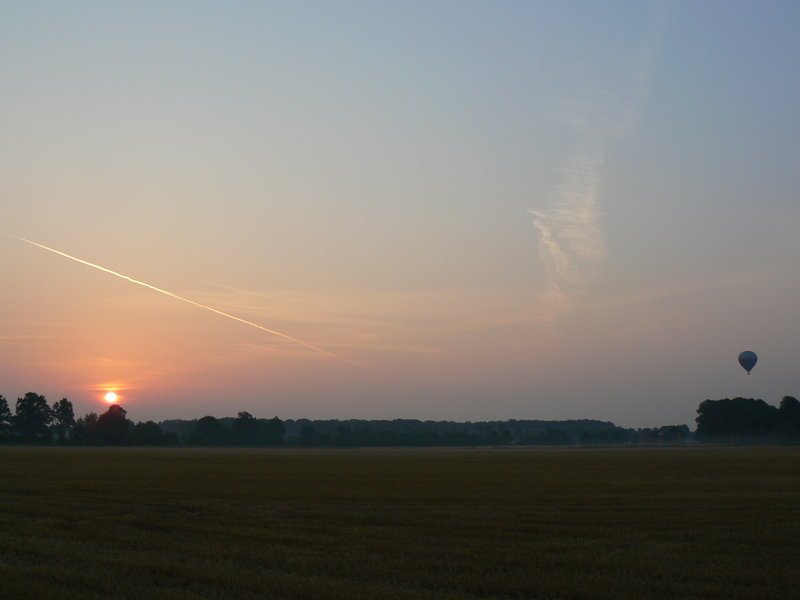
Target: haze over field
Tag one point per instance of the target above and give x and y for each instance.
(489, 211)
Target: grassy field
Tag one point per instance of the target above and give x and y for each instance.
(506, 523)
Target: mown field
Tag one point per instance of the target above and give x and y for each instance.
(414, 524)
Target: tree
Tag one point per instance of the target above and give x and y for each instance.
(615, 435)
(245, 429)
(86, 430)
(673, 433)
(32, 417)
(5, 415)
(789, 412)
(309, 436)
(551, 437)
(63, 418)
(344, 436)
(147, 434)
(113, 426)
(736, 419)
(208, 431)
(272, 432)
(5, 420)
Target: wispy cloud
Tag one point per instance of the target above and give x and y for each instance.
(572, 243)
(571, 240)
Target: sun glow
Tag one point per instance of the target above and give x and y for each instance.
(110, 397)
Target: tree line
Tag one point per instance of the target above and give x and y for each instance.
(747, 420)
(737, 420)
(34, 421)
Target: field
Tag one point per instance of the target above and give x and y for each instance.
(493, 523)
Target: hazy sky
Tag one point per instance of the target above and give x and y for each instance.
(497, 209)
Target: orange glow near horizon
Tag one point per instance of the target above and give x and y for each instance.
(111, 397)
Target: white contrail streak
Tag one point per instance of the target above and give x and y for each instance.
(188, 301)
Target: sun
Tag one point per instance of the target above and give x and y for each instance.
(110, 397)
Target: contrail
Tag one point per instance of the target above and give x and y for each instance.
(192, 302)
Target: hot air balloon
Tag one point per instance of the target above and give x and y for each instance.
(748, 360)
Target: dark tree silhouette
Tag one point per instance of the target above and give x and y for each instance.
(63, 419)
(208, 431)
(86, 430)
(309, 436)
(147, 434)
(272, 432)
(602, 437)
(113, 426)
(550, 437)
(245, 429)
(5, 415)
(672, 433)
(32, 417)
(737, 419)
(789, 412)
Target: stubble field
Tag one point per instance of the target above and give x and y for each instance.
(176, 524)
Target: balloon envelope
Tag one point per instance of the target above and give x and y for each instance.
(748, 360)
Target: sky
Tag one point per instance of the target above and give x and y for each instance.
(433, 210)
